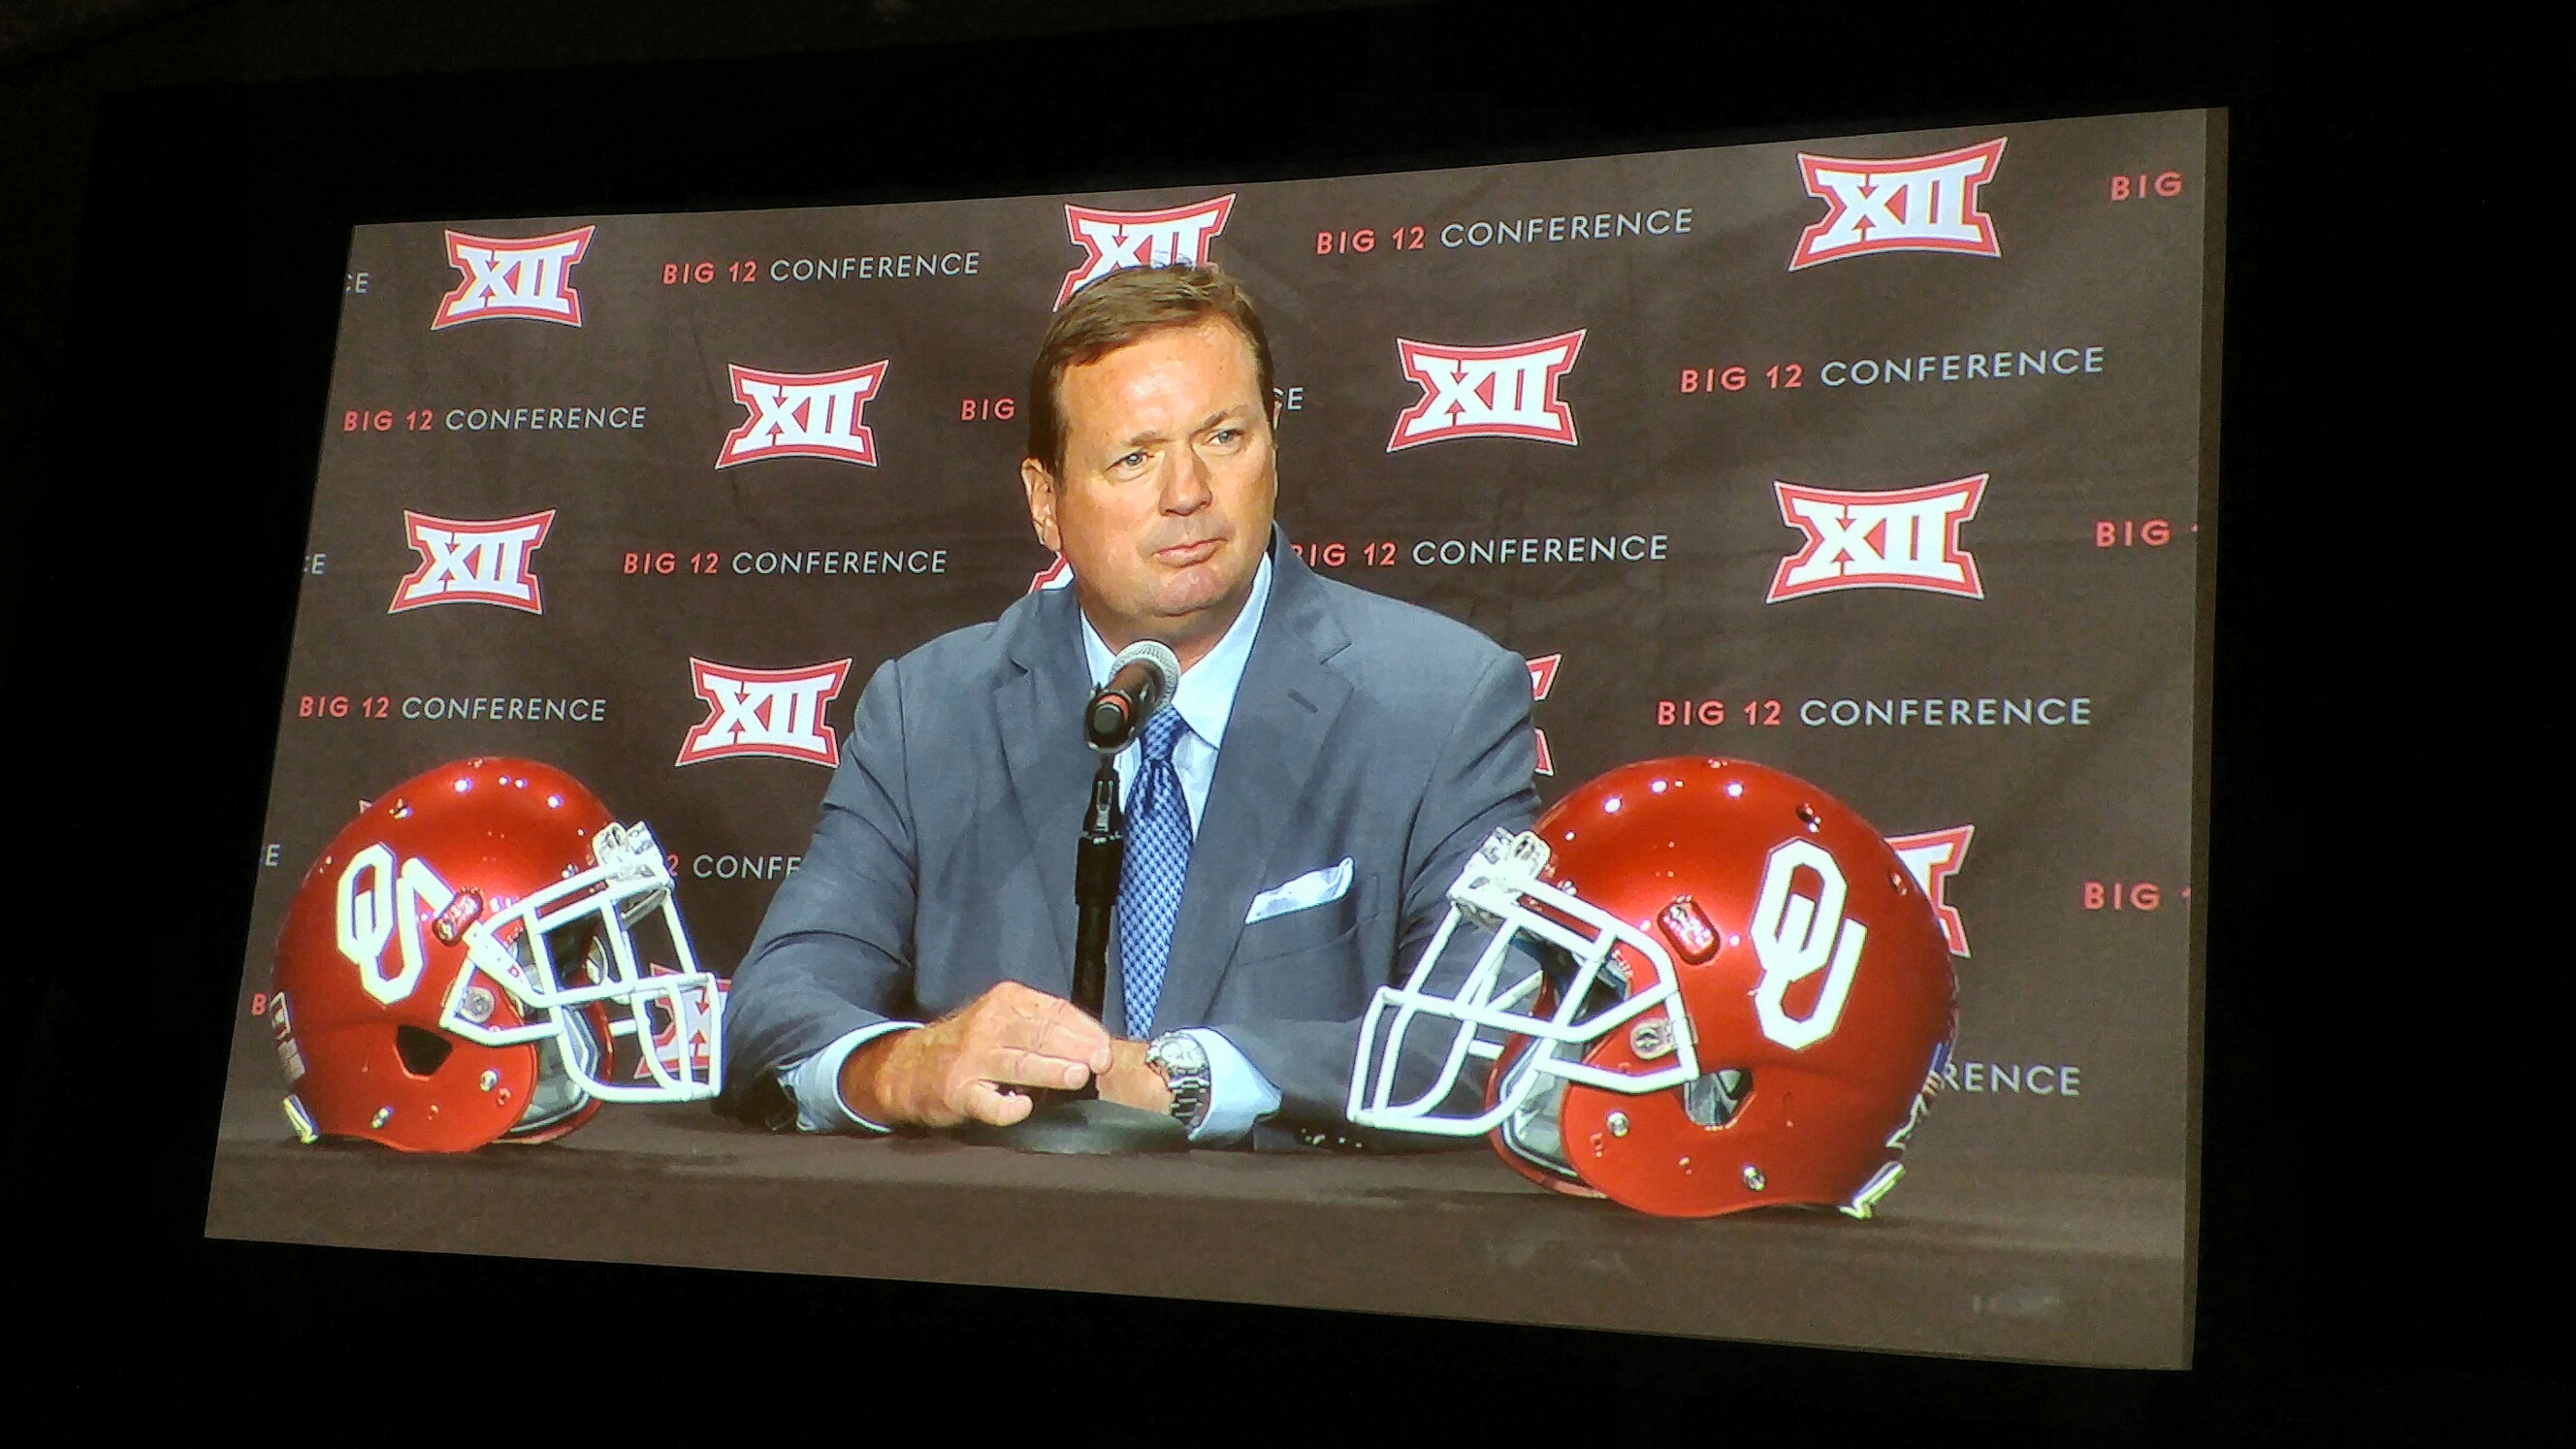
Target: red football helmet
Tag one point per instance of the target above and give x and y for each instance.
(1710, 986)
(459, 966)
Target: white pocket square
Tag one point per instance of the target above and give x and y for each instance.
(1314, 888)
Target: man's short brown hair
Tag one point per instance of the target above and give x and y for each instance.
(1122, 308)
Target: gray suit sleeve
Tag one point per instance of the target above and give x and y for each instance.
(1480, 782)
(833, 954)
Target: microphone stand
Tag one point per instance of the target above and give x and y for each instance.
(1078, 1121)
(1098, 862)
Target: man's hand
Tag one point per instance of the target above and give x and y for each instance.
(957, 1068)
(1131, 1083)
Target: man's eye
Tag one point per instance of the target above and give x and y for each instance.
(1131, 461)
(1225, 435)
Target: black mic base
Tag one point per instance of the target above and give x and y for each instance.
(1086, 1127)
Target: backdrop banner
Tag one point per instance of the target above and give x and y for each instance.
(1881, 460)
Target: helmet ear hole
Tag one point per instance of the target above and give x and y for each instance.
(422, 1051)
(1714, 1098)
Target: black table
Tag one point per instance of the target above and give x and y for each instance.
(2063, 1267)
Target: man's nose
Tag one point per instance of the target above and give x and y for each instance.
(1186, 482)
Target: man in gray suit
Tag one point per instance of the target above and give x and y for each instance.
(1295, 815)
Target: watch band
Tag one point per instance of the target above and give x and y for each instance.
(1184, 1065)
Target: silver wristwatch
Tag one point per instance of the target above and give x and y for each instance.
(1184, 1065)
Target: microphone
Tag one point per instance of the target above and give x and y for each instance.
(1141, 680)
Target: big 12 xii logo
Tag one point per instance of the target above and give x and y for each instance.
(803, 415)
(473, 561)
(1487, 392)
(1116, 240)
(522, 277)
(1905, 538)
(773, 713)
(1910, 204)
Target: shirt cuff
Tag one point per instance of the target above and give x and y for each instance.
(1238, 1095)
(815, 1082)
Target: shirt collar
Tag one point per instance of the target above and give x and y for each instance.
(1206, 696)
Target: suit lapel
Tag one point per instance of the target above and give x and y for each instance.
(1050, 769)
(1283, 711)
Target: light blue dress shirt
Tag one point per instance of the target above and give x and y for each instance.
(1238, 1094)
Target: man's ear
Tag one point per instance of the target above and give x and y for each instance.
(1040, 486)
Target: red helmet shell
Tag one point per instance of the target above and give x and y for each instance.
(357, 1025)
(1692, 852)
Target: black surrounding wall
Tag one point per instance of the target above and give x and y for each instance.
(162, 391)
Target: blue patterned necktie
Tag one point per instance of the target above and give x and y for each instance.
(1157, 864)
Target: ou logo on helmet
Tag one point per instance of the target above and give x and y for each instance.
(368, 912)
(1795, 936)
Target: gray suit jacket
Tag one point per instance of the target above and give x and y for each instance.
(1364, 728)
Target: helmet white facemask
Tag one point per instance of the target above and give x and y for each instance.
(1533, 923)
(682, 1051)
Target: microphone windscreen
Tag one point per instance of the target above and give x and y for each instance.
(1158, 657)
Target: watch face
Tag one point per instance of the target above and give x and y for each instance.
(1184, 1067)
(1176, 1054)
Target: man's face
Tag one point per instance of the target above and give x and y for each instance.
(1169, 480)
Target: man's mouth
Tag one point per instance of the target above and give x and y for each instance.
(1182, 555)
